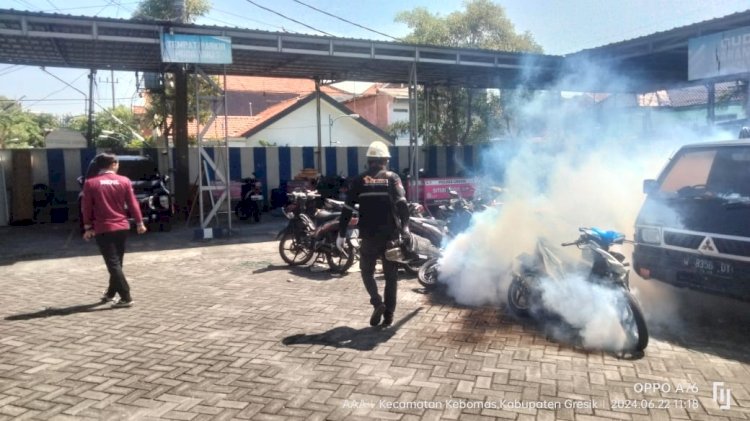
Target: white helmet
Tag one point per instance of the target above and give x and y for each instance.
(378, 149)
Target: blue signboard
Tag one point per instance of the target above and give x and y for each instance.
(199, 49)
(723, 54)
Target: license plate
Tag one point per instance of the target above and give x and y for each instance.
(256, 197)
(709, 266)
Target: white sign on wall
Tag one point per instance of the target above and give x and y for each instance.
(722, 54)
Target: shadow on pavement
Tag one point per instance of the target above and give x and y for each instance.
(50, 241)
(63, 311)
(307, 271)
(479, 324)
(696, 320)
(365, 339)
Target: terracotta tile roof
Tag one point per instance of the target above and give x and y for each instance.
(301, 87)
(238, 125)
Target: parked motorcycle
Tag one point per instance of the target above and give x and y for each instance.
(605, 267)
(313, 232)
(251, 200)
(457, 214)
(428, 235)
(424, 241)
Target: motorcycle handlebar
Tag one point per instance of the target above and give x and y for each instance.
(569, 244)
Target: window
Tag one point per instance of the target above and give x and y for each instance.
(690, 169)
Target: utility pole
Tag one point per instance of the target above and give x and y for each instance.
(320, 137)
(112, 82)
(90, 126)
(180, 131)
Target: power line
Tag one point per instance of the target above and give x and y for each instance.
(244, 18)
(102, 9)
(344, 20)
(86, 7)
(59, 90)
(288, 18)
(11, 70)
(120, 5)
(25, 3)
(53, 5)
(56, 99)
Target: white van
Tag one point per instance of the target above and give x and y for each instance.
(694, 227)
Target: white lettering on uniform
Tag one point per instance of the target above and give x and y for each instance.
(109, 183)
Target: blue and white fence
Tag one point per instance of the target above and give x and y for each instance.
(60, 168)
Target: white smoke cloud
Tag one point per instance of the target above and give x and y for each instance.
(586, 170)
(576, 300)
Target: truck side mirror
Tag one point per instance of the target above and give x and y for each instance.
(650, 186)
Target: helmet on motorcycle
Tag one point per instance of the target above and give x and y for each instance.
(378, 149)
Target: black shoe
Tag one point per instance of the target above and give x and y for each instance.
(387, 319)
(377, 313)
(123, 303)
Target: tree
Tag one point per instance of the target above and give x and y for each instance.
(160, 105)
(457, 115)
(164, 10)
(22, 129)
(108, 132)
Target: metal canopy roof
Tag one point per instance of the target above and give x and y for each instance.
(40, 39)
(660, 60)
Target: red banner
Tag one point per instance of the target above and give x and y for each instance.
(433, 190)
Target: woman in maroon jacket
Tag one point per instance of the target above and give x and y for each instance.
(107, 199)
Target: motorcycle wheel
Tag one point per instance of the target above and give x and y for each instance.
(427, 276)
(292, 252)
(338, 261)
(634, 324)
(241, 212)
(519, 297)
(256, 216)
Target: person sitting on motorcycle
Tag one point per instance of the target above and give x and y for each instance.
(383, 217)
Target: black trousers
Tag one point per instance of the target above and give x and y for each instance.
(373, 249)
(112, 247)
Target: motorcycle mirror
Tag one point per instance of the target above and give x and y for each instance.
(165, 178)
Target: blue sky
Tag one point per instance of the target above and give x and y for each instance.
(560, 26)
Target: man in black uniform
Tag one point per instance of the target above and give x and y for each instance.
(383, 218)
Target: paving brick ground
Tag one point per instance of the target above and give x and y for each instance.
(223, 330)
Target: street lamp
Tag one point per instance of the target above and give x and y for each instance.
(331, 120)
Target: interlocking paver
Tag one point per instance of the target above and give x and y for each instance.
(225, 330)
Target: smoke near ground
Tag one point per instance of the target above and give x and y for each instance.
(584, 167)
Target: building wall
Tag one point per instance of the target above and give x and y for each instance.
(299, 129)
(375, 108)
(59, 168)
